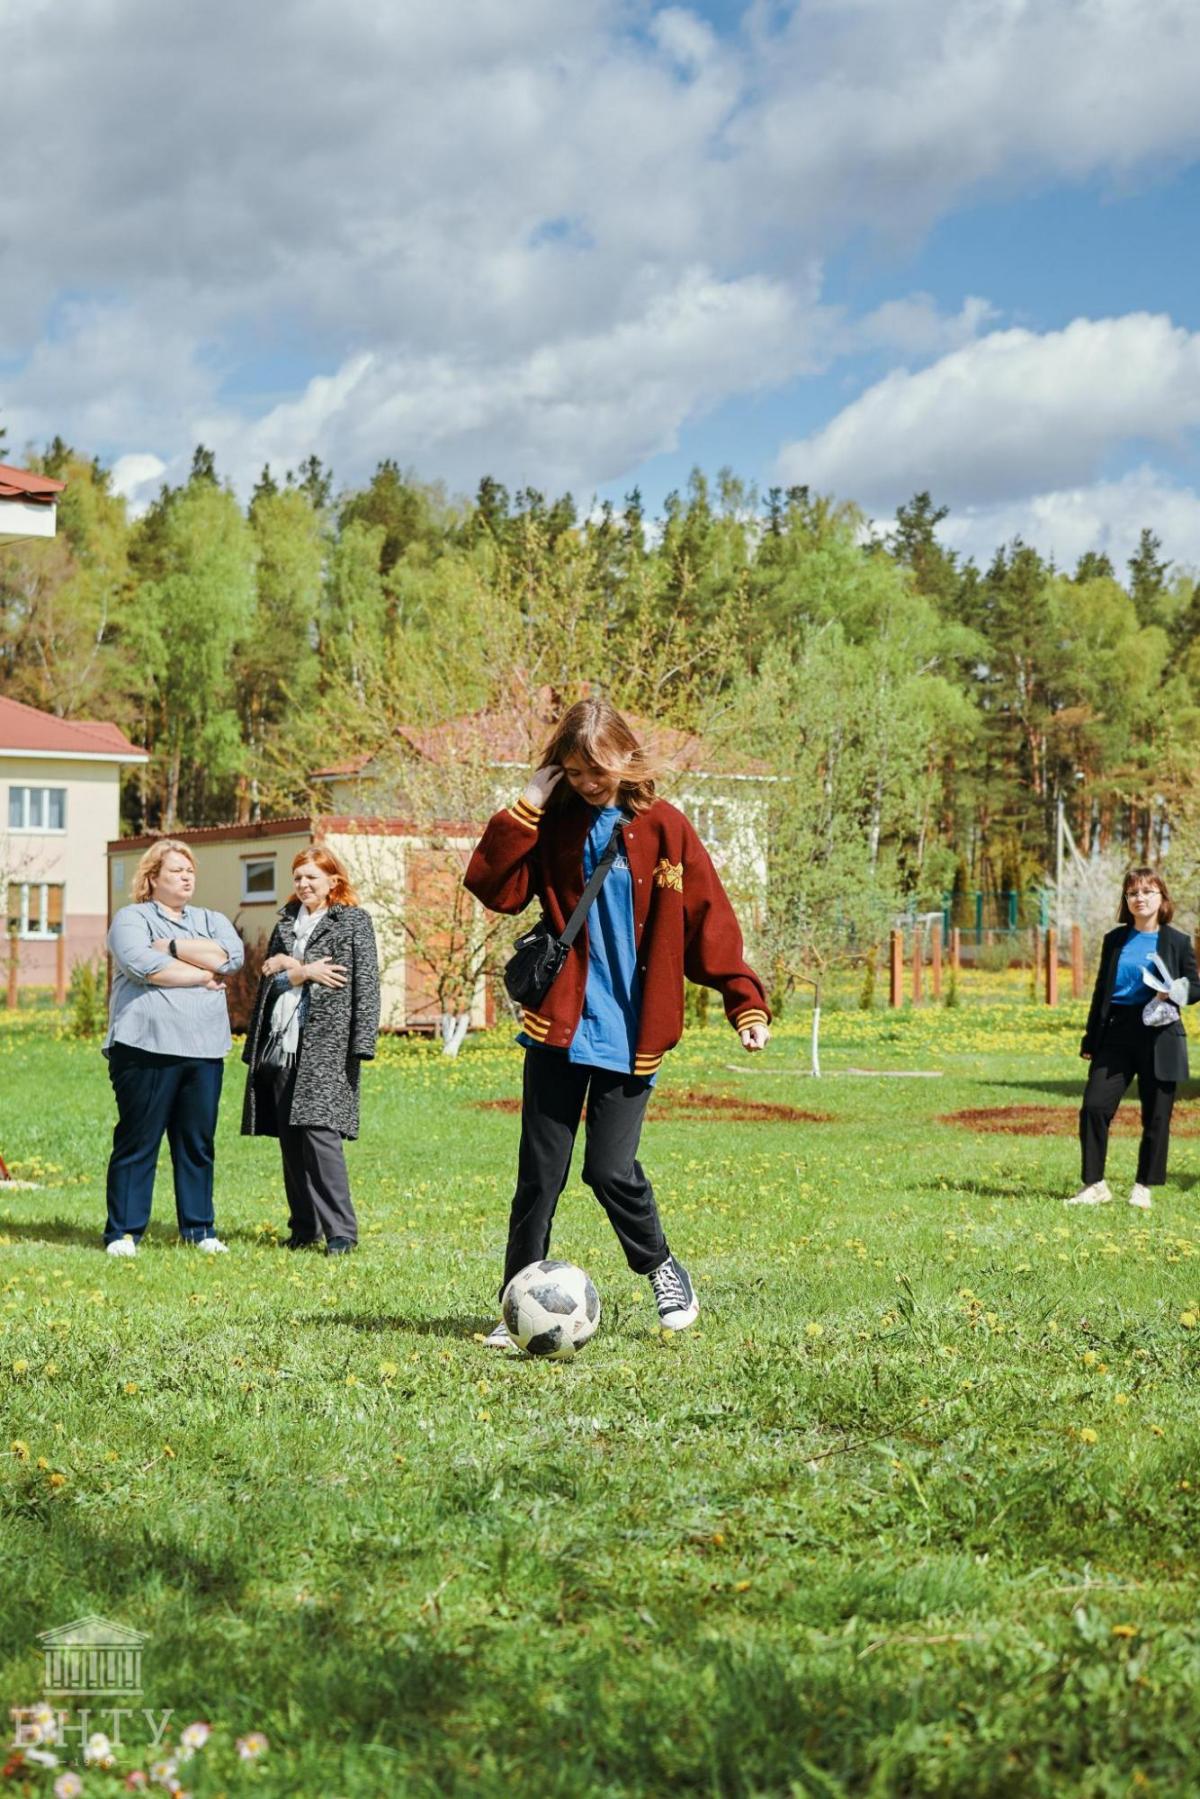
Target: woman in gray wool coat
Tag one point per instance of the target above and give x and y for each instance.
(315, 1020)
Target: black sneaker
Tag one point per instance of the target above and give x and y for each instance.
(677, 1303)
(303, 1243)
(339, 1246)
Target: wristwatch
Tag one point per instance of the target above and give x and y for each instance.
(171, 950)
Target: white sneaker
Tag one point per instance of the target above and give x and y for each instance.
(122, 1246)
(1095, 1195)
(212, 1246)
(1140, 1197)
(677, 1303)
(498, 1337)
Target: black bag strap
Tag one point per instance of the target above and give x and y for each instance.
(599, 876)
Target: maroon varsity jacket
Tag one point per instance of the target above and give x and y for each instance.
(683, 923)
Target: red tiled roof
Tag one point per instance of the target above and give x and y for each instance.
(510, 739)
(21, 484)
(26, 728)
(299, 825)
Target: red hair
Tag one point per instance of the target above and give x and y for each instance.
(341, 893)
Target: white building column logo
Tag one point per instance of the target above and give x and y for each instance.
(92, 1655)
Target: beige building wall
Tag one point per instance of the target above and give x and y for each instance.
(247, 877)
(73, 857)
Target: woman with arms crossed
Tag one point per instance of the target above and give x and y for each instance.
(616, 1007)
(167, 1038)
(1119, 1043)
(315, 1022)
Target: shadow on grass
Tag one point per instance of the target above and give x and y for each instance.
(371, 1325)
(1185, 1094)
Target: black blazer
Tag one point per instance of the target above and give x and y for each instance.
(1170, 1043)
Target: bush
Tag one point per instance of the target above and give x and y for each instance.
(241, 989)
(695, 1006)
(87, 1002)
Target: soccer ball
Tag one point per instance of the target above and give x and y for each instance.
(550, 1309)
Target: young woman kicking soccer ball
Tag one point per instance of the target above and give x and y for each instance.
(1147, 973)
(616, 1007)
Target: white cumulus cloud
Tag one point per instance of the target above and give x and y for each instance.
(1011, 414)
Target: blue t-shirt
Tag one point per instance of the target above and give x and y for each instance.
(1130, 989)
(606, 1036)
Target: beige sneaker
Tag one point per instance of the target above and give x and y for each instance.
(122, 1246)
(1095, 1195)
(1141, 1197)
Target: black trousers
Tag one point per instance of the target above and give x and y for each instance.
(175, 1096)
(1126, 1049)
(314, 1171)
(552, 1103)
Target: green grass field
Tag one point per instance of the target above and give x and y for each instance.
(913, 1510)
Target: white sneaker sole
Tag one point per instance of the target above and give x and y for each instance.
(1142, 1205)
(121, 1249)
(1076, 1200)
(679, 1321)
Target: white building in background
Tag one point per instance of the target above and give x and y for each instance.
(60, 804)
(28, 504)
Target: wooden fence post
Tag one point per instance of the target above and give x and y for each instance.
(955, 948)
(1051, 967)
(896, 970)
(1076, 962)
(60, 970)
(935, 961)
(12, 971)
(918, 962)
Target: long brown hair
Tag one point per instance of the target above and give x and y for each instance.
(594, 730)
(1145, 877)
(341, 893)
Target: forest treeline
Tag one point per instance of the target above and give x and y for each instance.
(926, 713)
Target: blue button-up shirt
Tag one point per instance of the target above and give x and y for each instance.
(170, 1021)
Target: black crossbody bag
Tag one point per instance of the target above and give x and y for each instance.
(538, 955)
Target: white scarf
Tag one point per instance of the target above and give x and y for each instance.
(285, 1019)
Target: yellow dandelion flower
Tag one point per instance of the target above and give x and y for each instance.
(1124, 1630)
(387, 1370)
(1120, 1399)
(352, 1380)
(58, 1480)
(20, 1366)
(814, 1330)
(1088, 1435)
(131, 1386)
(1090, 1358)
(20, 1449)
(1187, 1319)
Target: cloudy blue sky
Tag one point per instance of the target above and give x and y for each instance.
(866, 245)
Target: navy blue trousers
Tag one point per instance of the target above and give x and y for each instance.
(175, 1096)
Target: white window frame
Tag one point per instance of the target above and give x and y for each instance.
(27, 794)
(39, 932)
(258, 898)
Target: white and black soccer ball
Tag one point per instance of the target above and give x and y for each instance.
(550, 1309)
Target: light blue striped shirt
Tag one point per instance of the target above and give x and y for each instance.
(170, 1021)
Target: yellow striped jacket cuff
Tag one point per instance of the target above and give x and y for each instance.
(525, 814)
(752, 1015)
(535, 1026)
(645, 1065)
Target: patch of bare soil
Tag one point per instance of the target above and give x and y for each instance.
(706, 1108)
(1062, 1121)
